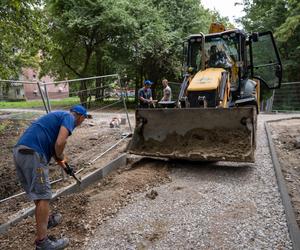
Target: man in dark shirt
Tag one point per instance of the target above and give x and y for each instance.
(45, 138)
(145, 95)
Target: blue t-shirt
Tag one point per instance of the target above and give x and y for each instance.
(146, 94)
(42, 134)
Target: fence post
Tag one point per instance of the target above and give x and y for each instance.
(42, 96)
(47, 97)
(124, 102)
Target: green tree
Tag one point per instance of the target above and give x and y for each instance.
(282, 18)
(142, 39)
(161, 29)
(288, 34)
(81, 32)
(21, 29)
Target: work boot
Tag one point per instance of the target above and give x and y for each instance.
(51, 244)
(54, 220)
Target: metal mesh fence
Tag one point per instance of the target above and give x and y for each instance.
(28, 100)
(175, 87)
(287, 98)
(21, 102)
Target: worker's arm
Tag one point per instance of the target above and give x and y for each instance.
(150, 99)
(165, 97)
(61, 143)
(143, 99)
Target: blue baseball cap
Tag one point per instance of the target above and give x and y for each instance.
(79, 109)
(147, 82)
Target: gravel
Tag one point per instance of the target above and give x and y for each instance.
(205, 206)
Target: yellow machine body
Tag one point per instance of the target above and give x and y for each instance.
(216, 28)
(215, 117)
(208, 79)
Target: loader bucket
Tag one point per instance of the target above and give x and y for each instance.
(209, 134)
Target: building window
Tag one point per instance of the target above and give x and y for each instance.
(17, 92)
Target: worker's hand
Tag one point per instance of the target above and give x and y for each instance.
(66, 167)
(62, 162)
(69, 169)
(152, 101)
(59, 158)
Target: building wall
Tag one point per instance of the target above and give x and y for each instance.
(15, 91)
(31, 91)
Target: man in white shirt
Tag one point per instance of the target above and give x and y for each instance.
(167, 91)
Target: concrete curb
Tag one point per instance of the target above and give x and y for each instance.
(85, 182)
(293, 228)
(284, 119)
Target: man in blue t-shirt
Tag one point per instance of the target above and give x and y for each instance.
(145, 95)
(44, 139)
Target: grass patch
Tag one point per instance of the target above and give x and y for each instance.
(39, 103)
(67, 103)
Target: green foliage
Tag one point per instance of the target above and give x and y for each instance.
(288, 34)
(80, 38)
(283, 19)
(142, 39)
(80, 32)
(20, 29)
(162, 26)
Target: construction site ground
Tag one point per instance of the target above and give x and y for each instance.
(286, 136)
(157, 204)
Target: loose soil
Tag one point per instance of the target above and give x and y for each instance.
(10, 130)
(198, 144)
(88, 141)
(286, 136)
(83, 212)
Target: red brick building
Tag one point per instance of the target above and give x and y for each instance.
(31, 91)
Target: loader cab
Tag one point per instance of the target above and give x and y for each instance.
(230, 55)
(193, 53)
(264, 61)
(244, 56)
(219, 50)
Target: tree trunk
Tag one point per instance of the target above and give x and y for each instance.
(83, 94)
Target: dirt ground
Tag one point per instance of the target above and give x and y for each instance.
(286, 136)
(88, 141)
(10, 130)
(82, 212)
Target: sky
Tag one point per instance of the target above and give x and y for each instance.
(225, 8)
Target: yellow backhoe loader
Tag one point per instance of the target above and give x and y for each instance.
(215, 115)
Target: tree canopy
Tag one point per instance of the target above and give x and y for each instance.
(21, 35)
(282, 17)
(142, 39)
